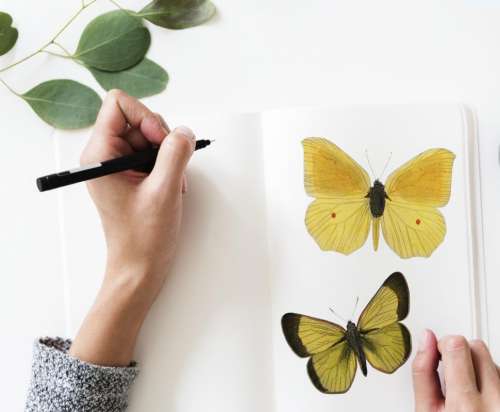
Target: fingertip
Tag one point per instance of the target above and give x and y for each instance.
(427, 357)
(426, 383)
(173, 157)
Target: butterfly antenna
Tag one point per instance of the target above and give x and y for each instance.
(369, 163)
(338, 316)
(386, 164)
(355, 307)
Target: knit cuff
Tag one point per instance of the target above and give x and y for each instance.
(61, 382)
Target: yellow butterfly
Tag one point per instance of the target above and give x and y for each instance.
(378, 338)
(406, 207)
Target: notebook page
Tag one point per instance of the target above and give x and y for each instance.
(309, 281)
(205, 344)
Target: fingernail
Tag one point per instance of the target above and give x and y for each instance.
(185, 131)
(423, 342)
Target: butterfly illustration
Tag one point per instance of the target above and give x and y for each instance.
(334, 352)
(345, 204)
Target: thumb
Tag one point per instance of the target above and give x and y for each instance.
(173, 156)
(428, 395)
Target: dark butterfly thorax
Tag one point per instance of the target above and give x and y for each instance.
(377, 198)
(353, 338)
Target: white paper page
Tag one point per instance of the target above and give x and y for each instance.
(205, 344)
(309, 281)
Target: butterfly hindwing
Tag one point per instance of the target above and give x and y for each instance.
(387, 348)
(412, 230)
(340, 225)
(333, 370)
(307, 335)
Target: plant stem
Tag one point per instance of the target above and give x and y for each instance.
(52, 40)
(64, 56)
(68, 54)
(118, 5)
(9, 88)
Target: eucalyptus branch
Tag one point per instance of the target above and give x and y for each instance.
(10, 89)
(52, 40)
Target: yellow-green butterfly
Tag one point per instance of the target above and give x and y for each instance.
(378, 338)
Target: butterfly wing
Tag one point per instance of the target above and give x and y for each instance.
(333, 364)
(390, 304)
(386, 342)
(411, 224)
(339, 224)
(412, 230)
(333, 370)
(387, 348)
(329, 172)
(307, 336)
(424, 180)
(339, 218)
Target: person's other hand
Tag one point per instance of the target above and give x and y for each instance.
(471, 378)
(140, 215)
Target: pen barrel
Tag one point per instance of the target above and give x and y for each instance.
(142, 161)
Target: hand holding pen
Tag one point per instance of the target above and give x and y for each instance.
(141, 216)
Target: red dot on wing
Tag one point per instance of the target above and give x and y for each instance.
(334, 215)
(418, 221)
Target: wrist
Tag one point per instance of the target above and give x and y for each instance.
(138, 285)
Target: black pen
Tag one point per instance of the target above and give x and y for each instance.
(143, 161)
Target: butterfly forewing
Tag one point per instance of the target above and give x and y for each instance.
(330, 172)
(390, 304)
(307, 336)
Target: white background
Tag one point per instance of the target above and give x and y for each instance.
(255, 55)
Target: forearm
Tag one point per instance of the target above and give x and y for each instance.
(108, 334)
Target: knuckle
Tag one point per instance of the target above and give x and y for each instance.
(453, 342)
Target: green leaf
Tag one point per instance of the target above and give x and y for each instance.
(178, 14)
(8, 34)
(113, 41)
(64, 104)
(144, 79)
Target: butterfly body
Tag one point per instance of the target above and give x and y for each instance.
(353, 338)
(377, 198)
(378, 338)
(404, 209)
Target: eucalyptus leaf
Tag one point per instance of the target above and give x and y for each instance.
(178, 14)
(113, 41)
(8, 34)
(65, 104)
(144, 79)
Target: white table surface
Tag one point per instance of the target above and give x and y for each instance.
(254, 56)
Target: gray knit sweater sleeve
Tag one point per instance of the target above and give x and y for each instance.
(62, 383)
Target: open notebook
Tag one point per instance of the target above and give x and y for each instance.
(213, 340)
